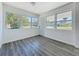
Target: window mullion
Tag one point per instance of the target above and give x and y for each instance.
(31, 22)
(55, 24)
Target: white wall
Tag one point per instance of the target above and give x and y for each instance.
(76, 16)
(1, 18)
(17, 34)
(10, 35)
(60, 35)
(66, 36)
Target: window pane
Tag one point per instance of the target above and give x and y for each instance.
(26, 22)
(34, 21)
(50, 21)
(12, 21)
(64, 21)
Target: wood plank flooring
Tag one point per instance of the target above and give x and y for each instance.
(38, 46)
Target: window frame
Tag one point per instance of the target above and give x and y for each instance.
(32, 22)
(29, 22)
(54, 21)
(67, 20)
(30, 26)
(5, 17)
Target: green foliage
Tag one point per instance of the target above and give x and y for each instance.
(13, 21)
(25, 21)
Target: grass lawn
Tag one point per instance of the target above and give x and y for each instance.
(65, 28)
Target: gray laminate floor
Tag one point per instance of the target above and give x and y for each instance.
(38, 46)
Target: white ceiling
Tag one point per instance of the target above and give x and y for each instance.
(39, 8)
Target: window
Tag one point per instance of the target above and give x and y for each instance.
(26, 22)
(12, 21)
(50, 21)
(34, 22)
(15, 21)
(64, 21)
